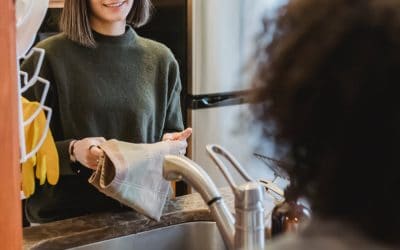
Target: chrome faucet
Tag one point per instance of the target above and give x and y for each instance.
(246, 230)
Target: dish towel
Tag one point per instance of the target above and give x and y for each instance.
(132, 174)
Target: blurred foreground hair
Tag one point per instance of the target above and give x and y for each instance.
(329, 98)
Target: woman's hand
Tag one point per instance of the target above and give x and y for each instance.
(87, 152)
(177, 136)
(181, 137)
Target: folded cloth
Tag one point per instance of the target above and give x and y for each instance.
(132, 174)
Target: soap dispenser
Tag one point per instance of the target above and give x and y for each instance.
(289, 216)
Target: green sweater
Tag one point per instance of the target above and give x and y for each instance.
(127, 88)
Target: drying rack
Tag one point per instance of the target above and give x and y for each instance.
(24, 83)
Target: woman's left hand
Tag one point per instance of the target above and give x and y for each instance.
(177, 136)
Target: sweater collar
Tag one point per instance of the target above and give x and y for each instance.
(128, 37)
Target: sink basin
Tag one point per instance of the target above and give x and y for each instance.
(192, 235)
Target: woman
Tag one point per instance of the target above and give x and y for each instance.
(106, 83)
(330, 100)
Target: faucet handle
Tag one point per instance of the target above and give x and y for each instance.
(213, 150)
(249, 208)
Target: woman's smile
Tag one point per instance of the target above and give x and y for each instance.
(111, 14)
(114, 4)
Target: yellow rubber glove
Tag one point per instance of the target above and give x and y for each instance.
(47, 156)
(28, 181)
(46, 159)
(28, 177)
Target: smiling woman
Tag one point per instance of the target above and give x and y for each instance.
(105, 16)
(107, 82)
(110, 12)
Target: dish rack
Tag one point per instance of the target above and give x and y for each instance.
(24, 83)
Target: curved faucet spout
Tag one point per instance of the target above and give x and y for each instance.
(181, 167)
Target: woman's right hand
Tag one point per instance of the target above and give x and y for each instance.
(87, 152)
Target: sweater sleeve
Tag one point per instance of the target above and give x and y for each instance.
(35, 93)
(174, 121)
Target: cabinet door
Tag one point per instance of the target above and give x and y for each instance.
(10, 204)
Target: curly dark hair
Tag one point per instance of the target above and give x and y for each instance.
(328, 98)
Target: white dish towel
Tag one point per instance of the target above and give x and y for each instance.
(132, 174)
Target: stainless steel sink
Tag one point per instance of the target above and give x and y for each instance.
(188, 236)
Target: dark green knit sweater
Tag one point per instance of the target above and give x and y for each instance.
(127, 88)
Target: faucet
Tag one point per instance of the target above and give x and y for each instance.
(246, 230)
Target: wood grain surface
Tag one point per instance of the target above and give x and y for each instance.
(10, 204)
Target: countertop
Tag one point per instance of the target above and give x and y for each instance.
(97, 227)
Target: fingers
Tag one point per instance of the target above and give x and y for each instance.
(178, 143)
(178, 136)
(93, 158)
(92, 164)
(88, 152)
(96, 150)
(183, 135)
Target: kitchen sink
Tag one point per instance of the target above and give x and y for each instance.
(188, 236)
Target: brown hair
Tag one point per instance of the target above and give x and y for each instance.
(75, 23)
(329, 98)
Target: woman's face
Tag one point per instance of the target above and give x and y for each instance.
(110, 11)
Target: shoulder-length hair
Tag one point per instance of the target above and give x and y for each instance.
(75, 23)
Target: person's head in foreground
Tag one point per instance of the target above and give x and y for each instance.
(330, 99)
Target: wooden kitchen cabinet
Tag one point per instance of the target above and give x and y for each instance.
(10, 204)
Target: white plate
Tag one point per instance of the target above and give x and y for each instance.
(29, 16)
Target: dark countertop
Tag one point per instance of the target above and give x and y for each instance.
(97, 227)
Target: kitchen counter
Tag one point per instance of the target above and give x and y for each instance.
(97, 227)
